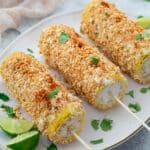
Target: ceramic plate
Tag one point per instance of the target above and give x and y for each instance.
(124, 125)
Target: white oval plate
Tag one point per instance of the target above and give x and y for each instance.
(124, 125)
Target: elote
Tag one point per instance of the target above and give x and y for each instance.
(89, 73)
(56, 113)
(121, 39)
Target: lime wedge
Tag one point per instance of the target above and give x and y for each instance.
(26, 141)
(14, 127)
(144, 22)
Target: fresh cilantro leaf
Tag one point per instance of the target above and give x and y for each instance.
(94, 60)
(9, 111)
(107, 14)
(95, 124)
(53, 93)
(139, 17)
(145, 89)
(106, 124)
(4, 97)
(29, 50)
(135, 106)
(52, 147)
(63, 38)
(98, 141)
(130, 93)
(138, 36)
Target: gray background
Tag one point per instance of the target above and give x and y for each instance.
(140, 141)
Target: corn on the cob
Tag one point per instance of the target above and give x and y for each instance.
(89, 73)
(122, 40)
(56, 115)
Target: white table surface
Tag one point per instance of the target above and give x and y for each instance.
(140, 141)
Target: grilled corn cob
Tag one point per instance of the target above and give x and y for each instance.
(56, 112)
(89, 73)
(122, 40)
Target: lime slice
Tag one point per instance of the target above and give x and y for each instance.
(14, 127)
(26, 141)
(144, 22)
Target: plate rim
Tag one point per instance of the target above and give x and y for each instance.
(6, 49)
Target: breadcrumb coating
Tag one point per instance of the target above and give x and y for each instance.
(30, 82)
(121, 39)
(73, 60)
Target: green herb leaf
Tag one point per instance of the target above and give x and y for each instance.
(135, 106)
(98, 141)
(145, 89)
(53, 93)
(138, 36)
(106, 124)
(52, 147)
(63, 38)
(94, 60)
(147, 0)
(95, 124)
(130, 93)
(9, 111)
(107, 14)
(139, 17)
(29, 50)
(4, 97)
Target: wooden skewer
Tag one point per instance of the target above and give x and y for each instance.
(129, 111)
(82, 141)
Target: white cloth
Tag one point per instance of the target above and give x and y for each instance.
(11, 11)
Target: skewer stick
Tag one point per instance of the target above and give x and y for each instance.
(82, 141)
(129, 111)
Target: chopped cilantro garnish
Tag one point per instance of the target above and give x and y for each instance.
(106, 124)
(144, 90)
(139, 17)
(147, 0)
(135, 106)
(63, 38)
(29, 50)
(130, 93)
(107, 14)
(95, 124)
(4, 97)
(94, 60)
(9, 110)
(53, 93)
(98, 141)
(138, 36)
(52, 146)
(144, 35)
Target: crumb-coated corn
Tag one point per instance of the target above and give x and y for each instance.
(121, 39)
(56, 113)
(89, 73)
